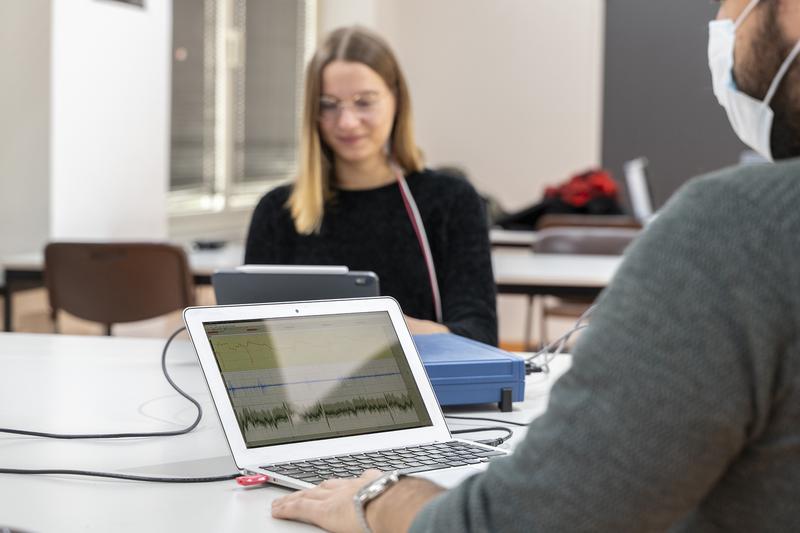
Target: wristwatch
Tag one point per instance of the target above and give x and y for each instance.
(369, 492)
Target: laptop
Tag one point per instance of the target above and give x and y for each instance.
(638, 184)
(289, 283)
(307, 391)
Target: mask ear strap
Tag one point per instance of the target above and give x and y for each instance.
(422, 238)
(781, 73)
(750, 7)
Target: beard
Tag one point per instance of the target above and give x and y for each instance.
(769, 49)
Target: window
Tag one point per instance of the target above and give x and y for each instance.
(237, 84)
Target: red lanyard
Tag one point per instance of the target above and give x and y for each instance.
(422, 238)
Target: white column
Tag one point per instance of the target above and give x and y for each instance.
(110, 119)
(24, 128)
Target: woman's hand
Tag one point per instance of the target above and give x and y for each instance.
(424, 327)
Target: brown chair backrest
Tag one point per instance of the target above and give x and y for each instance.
(594, 221)
(584, 240)
(117, 282)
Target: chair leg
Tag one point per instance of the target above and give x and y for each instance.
(528, 320)
(108, 329)
(544, 341)
(54, 320)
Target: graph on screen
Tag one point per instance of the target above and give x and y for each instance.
(289, 385)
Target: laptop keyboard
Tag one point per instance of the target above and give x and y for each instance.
(407, 460)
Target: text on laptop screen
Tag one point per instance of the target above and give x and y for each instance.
(304, 378)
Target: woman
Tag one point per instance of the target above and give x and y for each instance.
(364, 199)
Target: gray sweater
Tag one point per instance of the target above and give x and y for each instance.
(682, 409)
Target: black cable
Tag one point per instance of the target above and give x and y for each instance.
(500, 440)
(487, 420)
(493, 442)
(533, 368)
(130, 477)
(128, 435)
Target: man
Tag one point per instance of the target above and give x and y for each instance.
(682, 409)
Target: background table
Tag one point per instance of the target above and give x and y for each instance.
(26, 271)
(512, 238)
(562, 275)
(89, 384)
(552, 274)
(516, 271)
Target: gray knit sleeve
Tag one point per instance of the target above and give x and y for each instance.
(668, 385)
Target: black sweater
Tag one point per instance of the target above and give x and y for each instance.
(370, 230)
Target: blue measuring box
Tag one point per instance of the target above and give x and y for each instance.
(464, 371)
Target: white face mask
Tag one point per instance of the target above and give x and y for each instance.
(750, 118)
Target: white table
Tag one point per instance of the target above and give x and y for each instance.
(553, 274)
(24, 271)
(202, 262)
(513, 238)
(563, 275)
(516, 271)
(88, 384)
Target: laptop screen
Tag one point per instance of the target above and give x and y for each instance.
(294, 379)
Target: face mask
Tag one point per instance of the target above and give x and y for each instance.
(750, 118)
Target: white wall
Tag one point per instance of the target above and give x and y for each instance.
(510, 90)
(110, 119)
(335, 13)
(24, 128)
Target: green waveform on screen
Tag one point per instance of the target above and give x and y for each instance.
(358, 405)
(286, 413)
(268, 418)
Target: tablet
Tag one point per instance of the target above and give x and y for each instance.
(291, 283)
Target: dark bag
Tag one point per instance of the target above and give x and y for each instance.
(592, 193)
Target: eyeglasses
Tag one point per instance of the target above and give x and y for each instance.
(363, 106)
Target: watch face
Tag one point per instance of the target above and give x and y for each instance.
(370, 492)
(377, 487)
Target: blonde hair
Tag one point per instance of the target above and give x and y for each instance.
(313, 187)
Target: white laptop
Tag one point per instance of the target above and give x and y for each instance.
(312, 390)
(638, 185)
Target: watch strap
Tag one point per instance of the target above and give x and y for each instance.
(369, 492)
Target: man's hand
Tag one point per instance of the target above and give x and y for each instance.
(330, 504)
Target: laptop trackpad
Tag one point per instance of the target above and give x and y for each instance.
(452, 476)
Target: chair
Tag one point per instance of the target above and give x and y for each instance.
(117, 282)
(3, 296)
(583, 241)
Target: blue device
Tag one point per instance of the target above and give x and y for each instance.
(464, 371)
